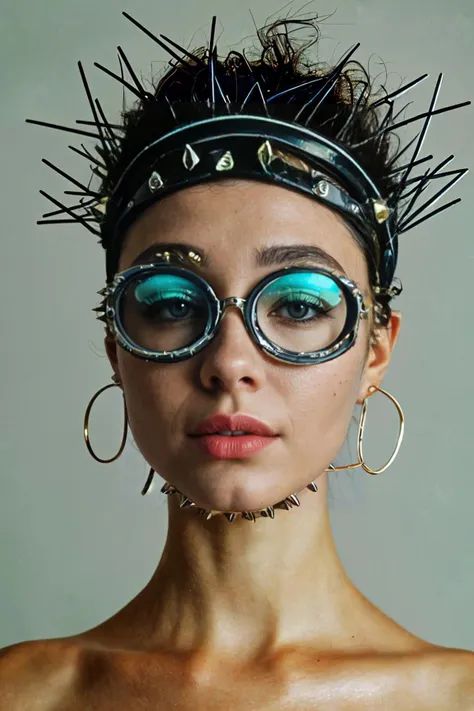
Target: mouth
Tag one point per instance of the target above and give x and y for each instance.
(233, 426)
(233, 437)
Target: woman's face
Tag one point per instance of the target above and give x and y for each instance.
(309, 406)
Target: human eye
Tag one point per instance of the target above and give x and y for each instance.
(169, 299)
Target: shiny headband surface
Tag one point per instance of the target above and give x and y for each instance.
(244, 143)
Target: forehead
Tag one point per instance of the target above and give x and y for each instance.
(230, 220)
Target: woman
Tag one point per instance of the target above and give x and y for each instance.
(250, 213)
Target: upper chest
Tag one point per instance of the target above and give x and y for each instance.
(145, 682)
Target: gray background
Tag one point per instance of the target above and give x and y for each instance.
(77, 540)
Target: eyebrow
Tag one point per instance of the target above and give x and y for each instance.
(276, 255)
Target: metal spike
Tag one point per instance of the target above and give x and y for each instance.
(186, 503)
(196, 59)
(424, 182)
(296, 88)
(398, 92)
(312, 486)
(145, 95)
(155, 182)
(87, 192)
(103, 292)
(427, 217)
(226, 162)
(88, 134)
(229, 516)
(89, 157)
(93, 110)
(270, 511)
(190, 157)
(148, 482)
(329, 83)
(102, 318)
(73, 208)
(435, 198)
(381, 210)
(153, 37)
(120, 80)
(294, 499)
(77, 218)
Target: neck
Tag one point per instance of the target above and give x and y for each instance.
(222, 589)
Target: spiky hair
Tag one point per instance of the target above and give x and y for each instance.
(278, 81)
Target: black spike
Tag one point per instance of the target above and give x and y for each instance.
(153, 37)
(77, 218)
(93, 110)
(431, 214)
(71, 179)
(425, 180)
(120, 80)
(404, 167)
(145, 95)
(330, 81)
(64, 128)
(108, 126)
(437, 196)
(63, 222)
(73, 208)
(198, 60)
(89, 156)
(399, 92)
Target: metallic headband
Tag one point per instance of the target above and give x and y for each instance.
(244, 143)
(258, 148)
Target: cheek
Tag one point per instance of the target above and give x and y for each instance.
(156, 395)
(320, 401)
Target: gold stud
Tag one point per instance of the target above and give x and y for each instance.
(381, 210)
(265, 154)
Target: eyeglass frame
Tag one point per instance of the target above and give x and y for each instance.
(356, 310)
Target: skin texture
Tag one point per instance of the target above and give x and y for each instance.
(245, 615)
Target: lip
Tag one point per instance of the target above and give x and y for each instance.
(232, 447)
(231, 423)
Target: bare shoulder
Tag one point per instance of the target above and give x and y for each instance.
(451, 672)
(37, 675)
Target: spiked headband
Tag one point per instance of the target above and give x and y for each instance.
(260, 148)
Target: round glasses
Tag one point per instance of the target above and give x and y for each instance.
(299, 315)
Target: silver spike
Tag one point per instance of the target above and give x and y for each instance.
(186, 503)
(103, 318)
(294, 499)
(155, 182)
(225, 162)
(229, 516)
(312, 486)
(190, 157)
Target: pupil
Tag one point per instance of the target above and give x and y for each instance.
(178, 308)
(297, 309)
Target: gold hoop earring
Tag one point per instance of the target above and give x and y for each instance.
(86, 425)
(116, 383)
(360, 436)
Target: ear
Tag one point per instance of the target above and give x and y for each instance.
(111, 350)
(379, 355)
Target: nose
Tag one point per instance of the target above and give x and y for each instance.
(232, 360)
